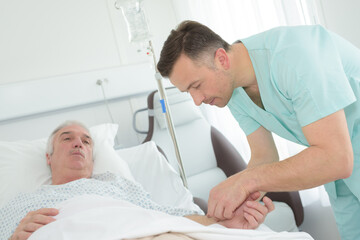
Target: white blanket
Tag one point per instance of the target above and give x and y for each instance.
(95, 217)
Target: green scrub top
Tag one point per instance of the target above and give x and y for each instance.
(304, 73)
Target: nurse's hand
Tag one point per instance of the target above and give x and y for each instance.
(250, 214)
(227, 196)
(33, 221)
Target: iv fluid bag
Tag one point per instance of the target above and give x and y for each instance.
(138, 28)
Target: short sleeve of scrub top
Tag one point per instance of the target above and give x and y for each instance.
(246, 123)
(314, 80)
(304, 77)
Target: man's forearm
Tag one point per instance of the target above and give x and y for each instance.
(256, 162)
(302, 171)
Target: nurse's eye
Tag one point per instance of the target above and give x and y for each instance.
(197, 86)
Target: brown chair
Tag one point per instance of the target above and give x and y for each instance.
(208, 157)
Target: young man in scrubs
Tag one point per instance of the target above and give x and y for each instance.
(301, 83)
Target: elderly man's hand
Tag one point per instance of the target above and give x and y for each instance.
(33, 221)
(228, 196)
(250, 214)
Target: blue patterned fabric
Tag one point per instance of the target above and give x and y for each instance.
(49, 196)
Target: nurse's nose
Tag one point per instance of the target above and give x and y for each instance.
(196, 96)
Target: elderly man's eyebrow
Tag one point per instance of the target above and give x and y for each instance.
(85, 135)
(64, 133)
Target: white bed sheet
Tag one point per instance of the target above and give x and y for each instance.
(96, 217)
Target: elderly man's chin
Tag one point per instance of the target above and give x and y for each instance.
(78, 162)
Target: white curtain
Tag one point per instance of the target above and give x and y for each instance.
(236, 19)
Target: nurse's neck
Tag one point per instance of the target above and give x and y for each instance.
(241, 67)
(243, 72)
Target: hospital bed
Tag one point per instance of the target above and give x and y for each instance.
(23, 168)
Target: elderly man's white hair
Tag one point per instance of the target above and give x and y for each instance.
(50, 142)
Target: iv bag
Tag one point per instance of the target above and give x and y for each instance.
(137, 26)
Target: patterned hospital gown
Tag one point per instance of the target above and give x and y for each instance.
(49, 196)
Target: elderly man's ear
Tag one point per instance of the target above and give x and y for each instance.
(48, 159)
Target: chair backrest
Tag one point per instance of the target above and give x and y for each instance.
(208, 157)
(194, 140)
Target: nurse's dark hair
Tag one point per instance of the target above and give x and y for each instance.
(193, 39)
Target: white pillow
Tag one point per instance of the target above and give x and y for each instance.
(105, 157)
(150, 168)
(23, 164)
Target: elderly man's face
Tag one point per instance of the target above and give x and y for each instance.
(72, 156)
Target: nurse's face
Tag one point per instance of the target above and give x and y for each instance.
(209, 85)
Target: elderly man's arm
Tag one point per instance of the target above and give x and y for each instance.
(248, 216)
(33, 221)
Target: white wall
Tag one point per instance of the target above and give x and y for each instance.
(46, 38)
(52, 54)
(41, 125)
(341, 17)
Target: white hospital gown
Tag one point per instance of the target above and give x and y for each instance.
(49, 196)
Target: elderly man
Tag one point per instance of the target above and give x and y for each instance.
(69, 155)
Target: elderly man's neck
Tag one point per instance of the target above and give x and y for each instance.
(63, 179)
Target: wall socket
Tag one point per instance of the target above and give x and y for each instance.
(101, 81)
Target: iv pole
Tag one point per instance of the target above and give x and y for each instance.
(166, 110)
(137, 20)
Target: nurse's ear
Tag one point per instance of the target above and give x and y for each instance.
(222, 59)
